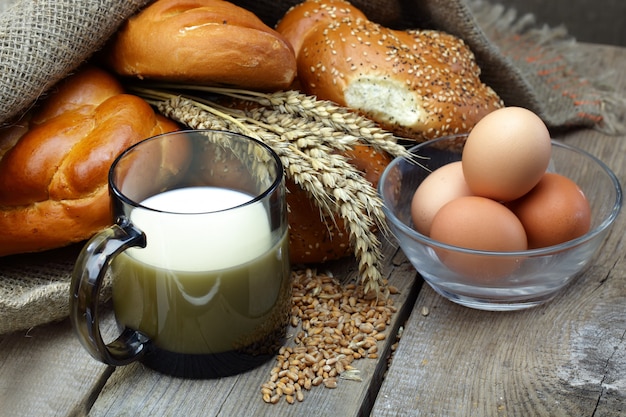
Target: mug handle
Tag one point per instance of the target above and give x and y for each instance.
(89, 272)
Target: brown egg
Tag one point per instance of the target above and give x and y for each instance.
(440, 187)
(506, 154)
(483, 224)
(553, 212)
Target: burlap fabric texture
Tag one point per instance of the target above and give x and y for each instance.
(41, 41)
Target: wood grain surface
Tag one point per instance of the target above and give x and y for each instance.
(45, 372)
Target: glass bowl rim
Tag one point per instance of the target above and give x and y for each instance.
(548, 250)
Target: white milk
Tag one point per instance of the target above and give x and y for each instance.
(204, 239)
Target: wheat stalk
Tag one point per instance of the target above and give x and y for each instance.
(306, 138)
(348, 128)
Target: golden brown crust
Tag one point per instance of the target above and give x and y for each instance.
(303, 17)
(314, 238)
(202, 41)
(53, 171)
(420, 84)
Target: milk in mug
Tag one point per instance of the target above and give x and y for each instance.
(210, 278)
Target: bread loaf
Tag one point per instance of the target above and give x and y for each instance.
(314, 238)
(420, 84)
(54, 165)
(212, 42)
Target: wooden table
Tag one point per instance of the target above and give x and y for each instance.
(567, 358)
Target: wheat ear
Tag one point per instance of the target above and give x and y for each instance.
(307, 148)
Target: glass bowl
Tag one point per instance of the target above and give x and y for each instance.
(540, 273)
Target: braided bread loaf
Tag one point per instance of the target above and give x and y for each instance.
(54, 166)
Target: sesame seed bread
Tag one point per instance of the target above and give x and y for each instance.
(296, 24)
(419, 84)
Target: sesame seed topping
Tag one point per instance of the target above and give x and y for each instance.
(434, 66)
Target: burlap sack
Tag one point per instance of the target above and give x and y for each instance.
(42, 41)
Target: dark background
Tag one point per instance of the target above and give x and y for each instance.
(597, 21)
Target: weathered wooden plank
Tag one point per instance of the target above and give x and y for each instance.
(45, 372)
(135, 390)
(562, 359)
(549, 361)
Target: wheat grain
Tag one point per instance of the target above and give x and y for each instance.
(331, 339)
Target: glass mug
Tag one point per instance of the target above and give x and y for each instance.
(198, 257)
